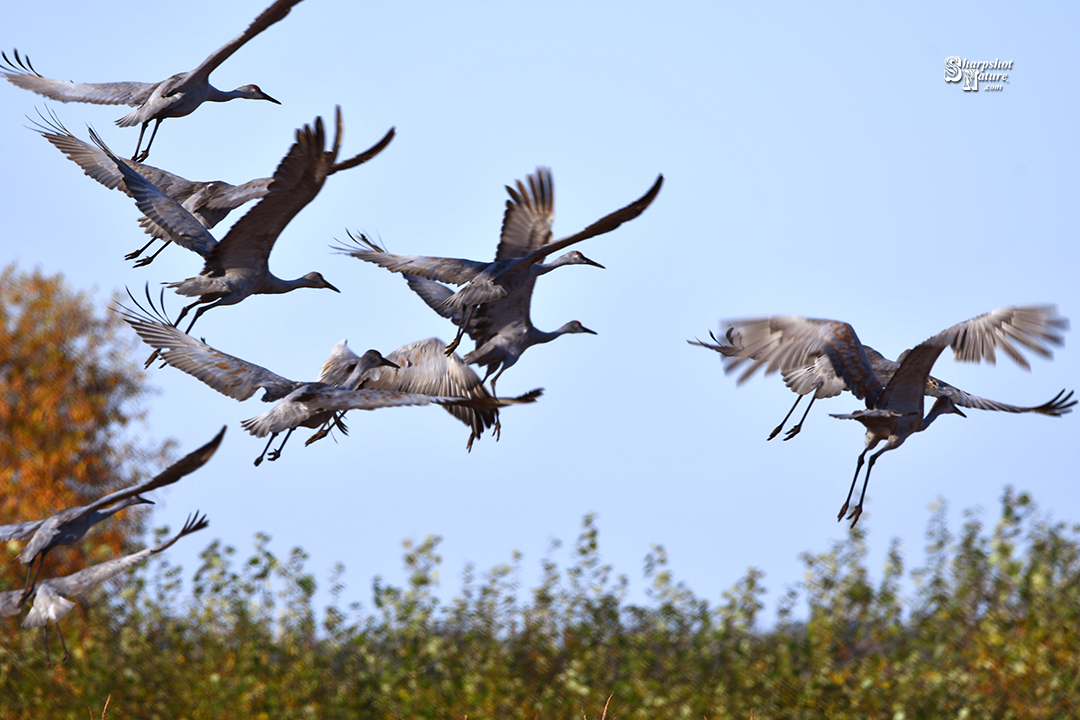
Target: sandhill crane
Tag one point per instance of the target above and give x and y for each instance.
(525, 242)
(237, 267)
(177, 96)
(502, 329)
(894, 409)
(420, 367)
(49, 601)
(762, 340)
(68, 526)
(207, 201)
(300, 404)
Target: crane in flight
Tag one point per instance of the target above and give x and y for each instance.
(49, 601)
(175, 96)
(760, 341)
(69, 525)
(894, 404)
(525, 242)
(420, 367)
(299, 403)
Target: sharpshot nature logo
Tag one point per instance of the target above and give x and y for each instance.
(972, 73)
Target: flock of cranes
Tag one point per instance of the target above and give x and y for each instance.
(820, 358)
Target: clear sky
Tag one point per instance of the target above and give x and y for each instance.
(816, 163)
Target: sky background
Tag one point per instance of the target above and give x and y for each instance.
(815, 162)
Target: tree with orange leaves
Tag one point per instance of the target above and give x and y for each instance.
(68, 392)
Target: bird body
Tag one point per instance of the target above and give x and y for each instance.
(299, 404)
(238, 266)
(49, 601)
(69, 525)
(769, 342)
(176, 96)
(525, 242)
(208, 202)
(895, 398)
(423, 367)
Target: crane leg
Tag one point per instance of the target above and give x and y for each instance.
(460, 331)
(31, 583)
(142, 130)
(146, 153)
(140, 251)
(857, 512)
(147, 260)
(858, 467)
(778, 428)
(258, 460)
(795, 430)
(275, 454)
(45, 634)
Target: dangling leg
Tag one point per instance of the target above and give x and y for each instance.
(147, 260)
(146, 152)
(140, 251)
(854, 517)
(63, 644)
(466, 318)
(858, 467)
(135, 157)
(275, 454)
(198, 313)
(778, 428)
(258, 460)
(31, 583)
(795, 430)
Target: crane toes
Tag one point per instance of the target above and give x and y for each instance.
(258, 461)
(273, 455)
(856, 513)
(793, 432)
(776, 431)
(143, 262)
(843, 510)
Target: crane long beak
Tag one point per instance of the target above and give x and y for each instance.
(331, 287)
(267, 97)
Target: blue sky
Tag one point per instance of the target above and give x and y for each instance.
(815, 162)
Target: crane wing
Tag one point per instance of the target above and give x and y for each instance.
(1031, 326)
(604, 225)
(266, 18)
(21, 73)
(296, 181)
(528, 217)
(170, 217)
(311, 399)
(19, 531)
(452, 270)
(229, 375)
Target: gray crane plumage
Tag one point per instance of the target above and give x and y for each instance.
(299, 404)
(175, 96)
(525, 242)
(894, 404)
(502, 330)
(209, 202)
(423, 367)
(760, 341)
(49, 601)
(69, 525)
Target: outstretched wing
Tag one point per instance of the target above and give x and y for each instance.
(20, 72)
(452, 270)
(228, 374)
(529, 215)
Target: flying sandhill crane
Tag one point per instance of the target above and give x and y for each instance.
(68, 526)
(420, 367)
(894, 407)
(502, 329)
(237, 267)
(525, 242)
(177, 96)
(207, 201)
(762, 341)
(49, 601)
(299, 404)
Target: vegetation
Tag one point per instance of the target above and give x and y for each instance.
(991, 629)
(68, 396)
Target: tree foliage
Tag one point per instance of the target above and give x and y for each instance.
(68, 394)
(989, 628)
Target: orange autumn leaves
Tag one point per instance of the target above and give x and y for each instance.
(68, 391)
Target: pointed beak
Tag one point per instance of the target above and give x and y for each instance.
(331, 287)
(957, 411)
(390, 363)
(267, 97)
(585, 329)
(593, 263)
